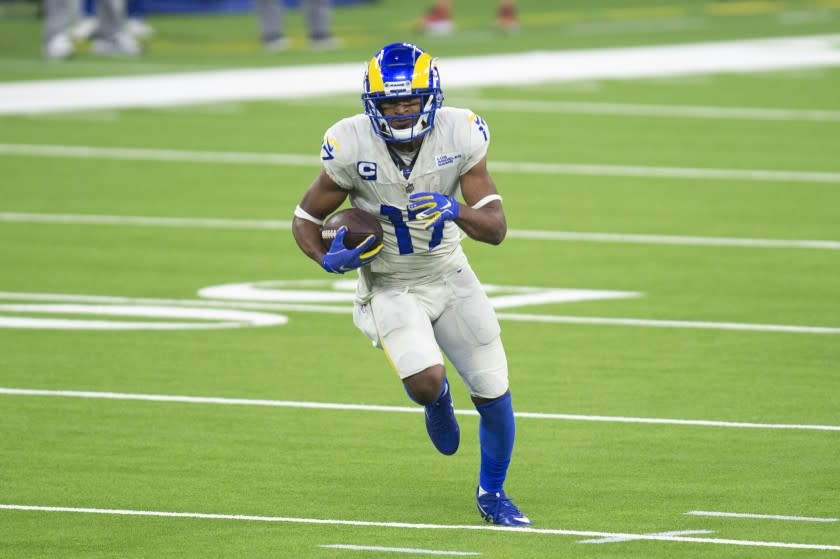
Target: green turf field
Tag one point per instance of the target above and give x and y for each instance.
(715, 387)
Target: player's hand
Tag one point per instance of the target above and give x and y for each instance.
(340, 259)
(434, 208)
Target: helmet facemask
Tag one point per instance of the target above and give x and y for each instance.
(402, 126)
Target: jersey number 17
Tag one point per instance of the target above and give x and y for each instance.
(395, 216)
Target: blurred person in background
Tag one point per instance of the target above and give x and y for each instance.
(438, 19)
(134, 24)
(318, 20)
(111, 37)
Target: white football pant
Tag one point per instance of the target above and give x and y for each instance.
(414, 323)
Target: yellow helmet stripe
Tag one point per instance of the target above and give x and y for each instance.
(420, 78)
(375, 83)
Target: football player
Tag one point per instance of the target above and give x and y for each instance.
(406, 160)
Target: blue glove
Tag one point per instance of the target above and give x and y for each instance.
(340, 259)
(434, 208)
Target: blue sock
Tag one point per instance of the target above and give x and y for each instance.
(496, 432)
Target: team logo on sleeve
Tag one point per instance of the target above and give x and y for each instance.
(366, 170)
(482, 126)
(328, 149)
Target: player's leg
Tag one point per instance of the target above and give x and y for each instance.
(112, 39)
(111, 14)
(469, 334)
(271, 16)
(318, 21)
(506, 19)
(58, 14)
(397, 322)
(136, 22)
(425, 387)
(430, 388)
(438, 18)
(87, 25)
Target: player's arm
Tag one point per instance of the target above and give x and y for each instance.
(482, 218)
(322, 198)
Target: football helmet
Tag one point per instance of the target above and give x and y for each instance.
(397, 72)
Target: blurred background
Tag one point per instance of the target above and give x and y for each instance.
(181, 35)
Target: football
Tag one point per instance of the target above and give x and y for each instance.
(359, 224)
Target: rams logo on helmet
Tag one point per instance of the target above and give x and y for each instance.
(402, 72)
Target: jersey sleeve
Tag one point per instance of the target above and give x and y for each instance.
(336, 157)
(478, 140)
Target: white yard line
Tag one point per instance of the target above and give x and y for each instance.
(149, 221)
(208, 400)
(296, 82)
(715, 112)
(408, 525)
(534, 168)
(668, 111)
(626, 539)
(110, 300)
(760, 516)
(150, 154)
(678, 324)
(518, 317)
(535, 235)
(410, 550)
(760, 175)
(683, 240)
(177, 317)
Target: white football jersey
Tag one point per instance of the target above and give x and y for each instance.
(359, 162)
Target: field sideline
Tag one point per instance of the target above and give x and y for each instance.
(303, 82)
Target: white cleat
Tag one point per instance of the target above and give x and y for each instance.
(121, 44)
(276, 44)
(325, 43)
(139, 28)
(85, 29)
(59, 47)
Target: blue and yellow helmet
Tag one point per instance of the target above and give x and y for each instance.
(399, 71)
